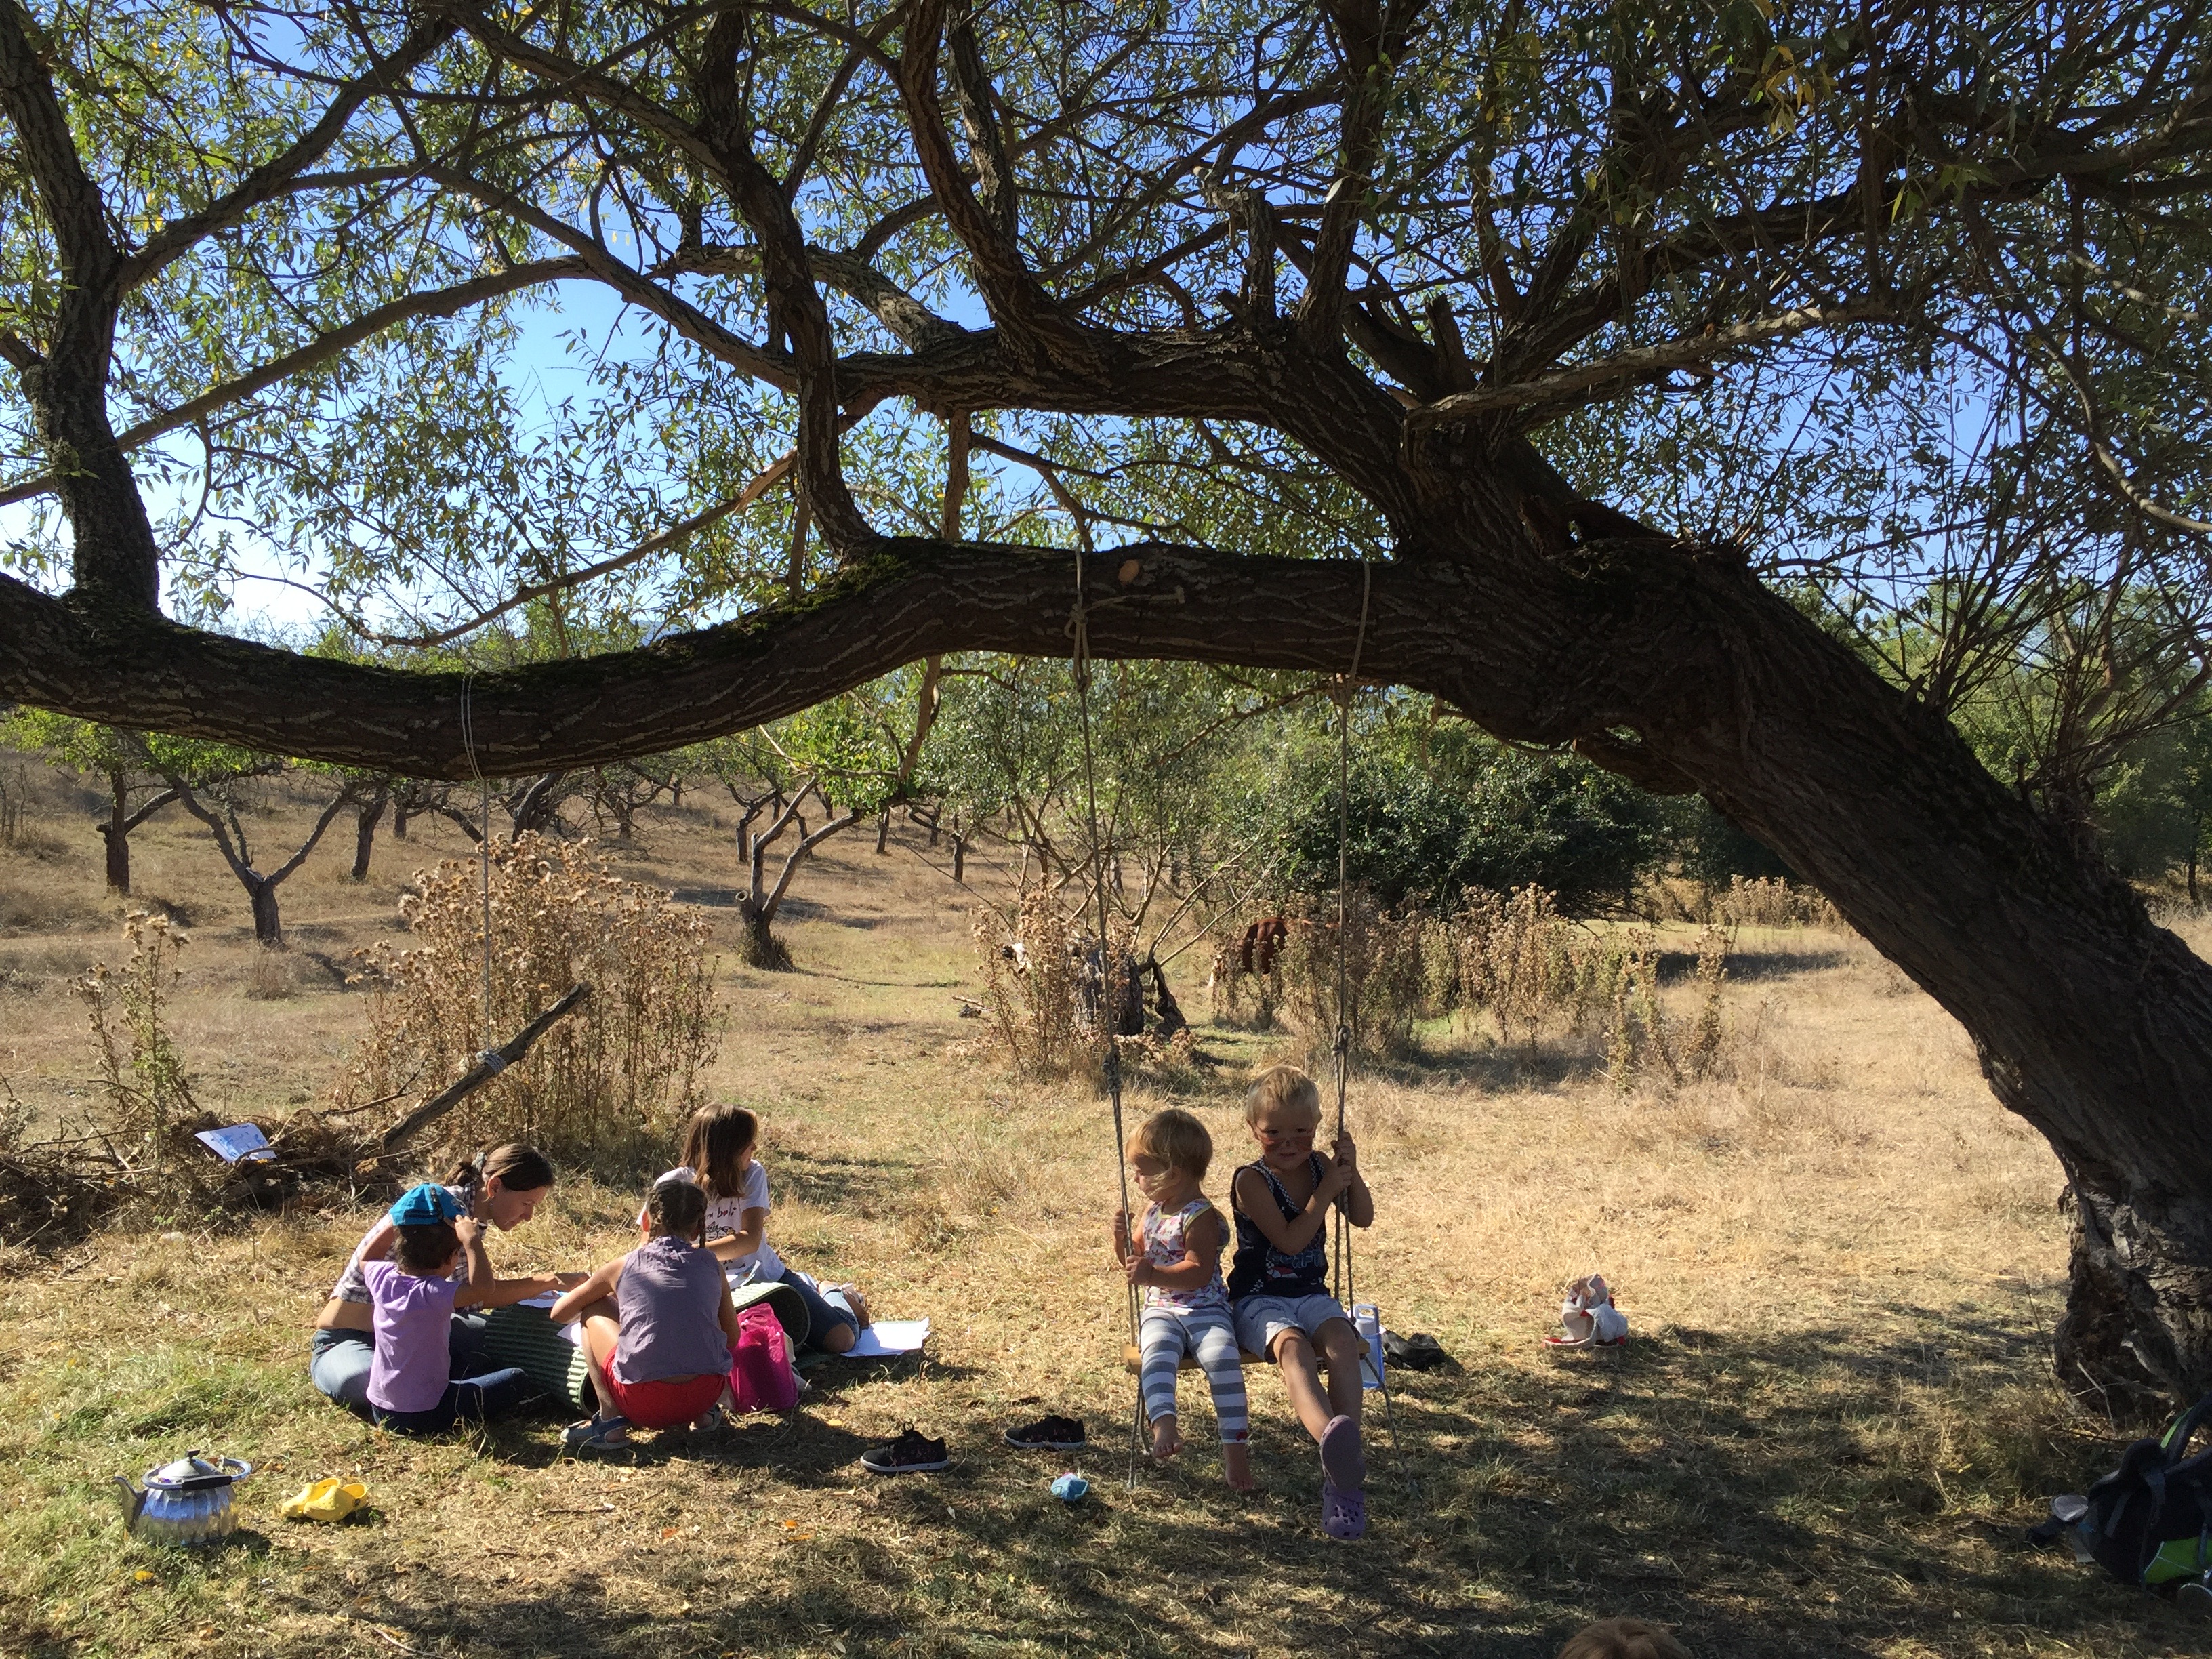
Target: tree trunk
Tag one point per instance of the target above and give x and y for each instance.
(117, 832)
(883, 832)
(364, 836)
(268, 926)
(2089, 1022)
(959, 858)
(757, 945)
(399, 817)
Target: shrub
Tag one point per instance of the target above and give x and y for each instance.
(1384, 982)
(608, 1086)
(1772, 902)
(141, 1073)
(1519, 961)
(1042, 991)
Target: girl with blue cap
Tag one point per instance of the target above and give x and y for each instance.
(501, 1188)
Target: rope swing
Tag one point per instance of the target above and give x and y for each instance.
(1348, 689)
(1080, 668)
(494, 1057)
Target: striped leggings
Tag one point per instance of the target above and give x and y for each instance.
(1164, 1338)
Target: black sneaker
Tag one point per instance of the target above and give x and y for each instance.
(1048, 1434)
(910, 1454)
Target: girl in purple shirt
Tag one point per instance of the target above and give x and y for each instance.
(411, 1385)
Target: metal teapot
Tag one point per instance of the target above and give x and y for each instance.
(186, 1502)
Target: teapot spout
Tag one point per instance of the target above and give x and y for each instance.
(134, 1501)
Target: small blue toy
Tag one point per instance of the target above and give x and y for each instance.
(1071, 1488)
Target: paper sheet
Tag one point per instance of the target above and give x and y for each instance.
(237, 1142)
(887, 1338)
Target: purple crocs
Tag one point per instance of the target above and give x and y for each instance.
(1343, 1514)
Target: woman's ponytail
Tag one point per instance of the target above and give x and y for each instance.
(517, 1166)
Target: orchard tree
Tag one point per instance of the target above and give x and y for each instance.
(1518, 354)
(136, 788)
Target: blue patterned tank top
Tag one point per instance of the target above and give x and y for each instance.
(1259, 1268)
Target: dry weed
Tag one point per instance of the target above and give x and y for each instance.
(1050, 994)
(1771, 902)
(607, 1087)
(1368, 976)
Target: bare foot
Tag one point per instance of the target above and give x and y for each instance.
(1166, 1441)
(1237, 1466)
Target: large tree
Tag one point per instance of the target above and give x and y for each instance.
(1580, 324)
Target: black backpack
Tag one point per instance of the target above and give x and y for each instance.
(2149, 1521)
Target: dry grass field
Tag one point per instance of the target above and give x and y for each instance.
(1840, 1259)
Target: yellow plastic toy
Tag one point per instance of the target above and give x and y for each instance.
(330, 1499)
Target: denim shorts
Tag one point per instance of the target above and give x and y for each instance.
(1261, 1319)
(822, 1316)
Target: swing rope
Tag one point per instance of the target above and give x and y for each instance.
(1079, 667)
(1342, 1274)
(483, 857)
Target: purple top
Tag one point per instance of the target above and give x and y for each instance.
(352, 1287)
(412, 1318)
(670, 1302)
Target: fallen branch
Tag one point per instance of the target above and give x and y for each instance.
(488, 1066)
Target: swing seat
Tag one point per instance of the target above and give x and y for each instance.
(1133, 1358)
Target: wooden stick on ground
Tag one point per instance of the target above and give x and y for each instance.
(487, 1066)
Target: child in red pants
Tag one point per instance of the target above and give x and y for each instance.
(665, 1359)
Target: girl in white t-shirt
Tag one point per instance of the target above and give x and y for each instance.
(718, 1154)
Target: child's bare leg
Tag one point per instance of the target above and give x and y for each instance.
(1167, 1439)
(1236, 1465)
(1294, 1356)
(1216, 1344)
(601, 1333)
(1343, 1350)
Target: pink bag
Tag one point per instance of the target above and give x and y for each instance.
(761, 1377)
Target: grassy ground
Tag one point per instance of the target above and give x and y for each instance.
(1841, 1261)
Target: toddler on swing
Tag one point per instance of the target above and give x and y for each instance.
(1279, 1281)
(1175, 1258)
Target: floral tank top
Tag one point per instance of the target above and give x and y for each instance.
(1162, 1236)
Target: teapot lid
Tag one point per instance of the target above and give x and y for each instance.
(192, 1471)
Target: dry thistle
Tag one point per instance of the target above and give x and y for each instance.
(607, 1087)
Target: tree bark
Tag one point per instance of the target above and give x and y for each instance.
(267, 926)
(121, 821)
(364, 835)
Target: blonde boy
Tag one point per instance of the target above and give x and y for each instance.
(1279, 1280)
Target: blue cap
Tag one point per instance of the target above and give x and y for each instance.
(420, 1206)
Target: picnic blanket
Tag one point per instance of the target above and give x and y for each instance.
(525, 1336)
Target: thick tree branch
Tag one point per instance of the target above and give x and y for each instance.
(913, 599)
(115, 556)
(796, 310)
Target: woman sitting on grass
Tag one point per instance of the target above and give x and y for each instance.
(665, 1357)
(718, 1148)
(502, 1189)
(412, 1384)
